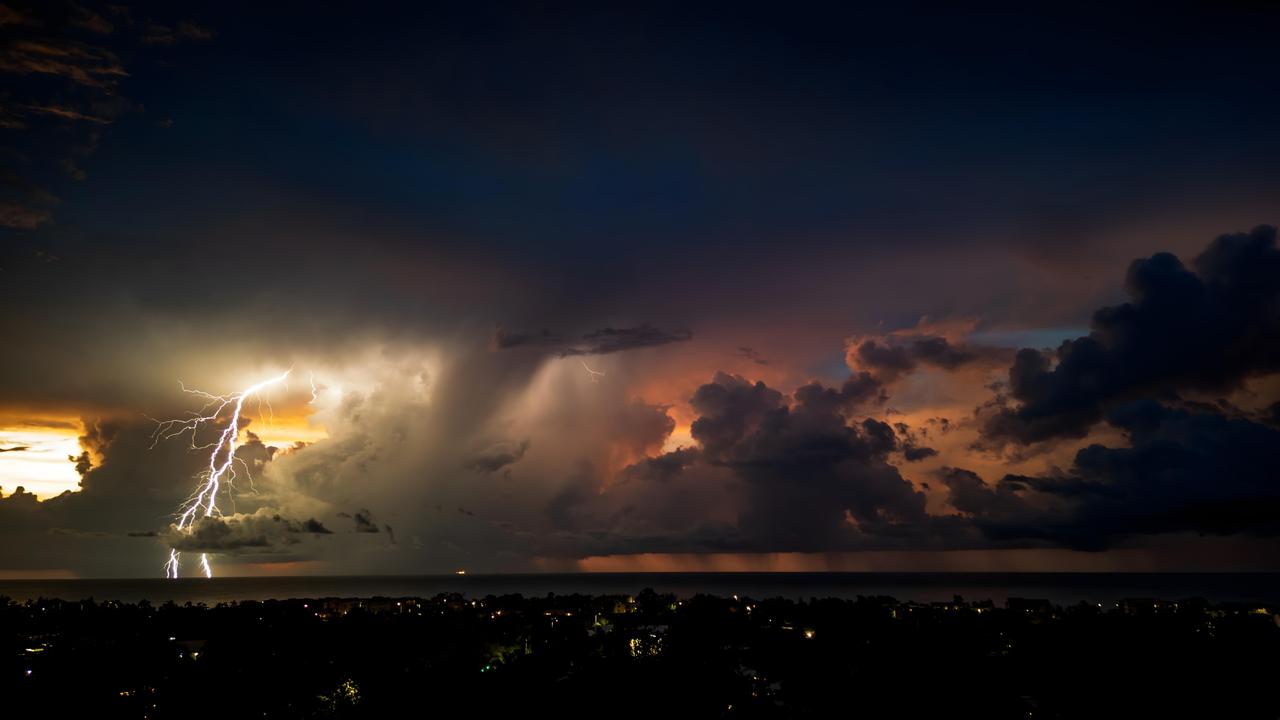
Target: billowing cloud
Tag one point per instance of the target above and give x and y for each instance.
(1205, 328)
(795, 473)
(260, 532)
(768, 471)
(728, 408)
(891, 356)
(1183, 472)
(150, 245)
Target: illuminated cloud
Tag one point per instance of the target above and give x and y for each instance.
(261, 532)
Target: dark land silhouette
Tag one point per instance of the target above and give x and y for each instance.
(648, 655)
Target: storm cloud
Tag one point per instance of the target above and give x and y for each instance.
(597, 342)
(263, 531)
(799, 474)
(1207, 328)
(879, 234)
(1183, 472)
(892, 356)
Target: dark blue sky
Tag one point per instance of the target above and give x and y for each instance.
(573, 128)
(603, 147)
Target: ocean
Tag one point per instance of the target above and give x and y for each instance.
(1059, 588)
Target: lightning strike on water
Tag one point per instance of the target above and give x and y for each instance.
(203, 502)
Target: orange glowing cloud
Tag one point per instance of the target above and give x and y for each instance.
(38, 455)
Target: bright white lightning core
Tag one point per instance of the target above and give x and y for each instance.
(203, 502)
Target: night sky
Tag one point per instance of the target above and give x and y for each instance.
(738, 286)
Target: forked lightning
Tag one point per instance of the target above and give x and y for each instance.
(203, 502)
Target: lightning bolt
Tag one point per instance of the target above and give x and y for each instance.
(595, 374)
(203, 502)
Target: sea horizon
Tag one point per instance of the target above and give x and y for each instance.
(1061, 588)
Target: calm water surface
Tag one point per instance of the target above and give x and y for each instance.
(1061, 588)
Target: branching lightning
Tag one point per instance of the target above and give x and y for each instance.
(203, 502)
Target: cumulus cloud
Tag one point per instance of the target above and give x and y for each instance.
(1184, 471)
(795, 473)
(728, 408)
(766, 466)
(126, 488)
(891, 356)
(1190, 466)
(969, 494)
(1207, 328)
(661, 468)
(262, 531)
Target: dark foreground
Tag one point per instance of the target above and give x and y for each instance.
(645, 656)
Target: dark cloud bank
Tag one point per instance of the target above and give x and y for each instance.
(810, 471)
(598, 342)
(1204, 328)
(811, 475)
(1192, 466)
